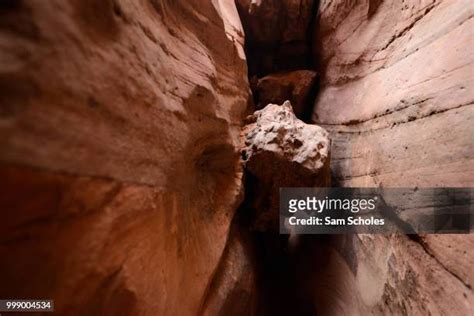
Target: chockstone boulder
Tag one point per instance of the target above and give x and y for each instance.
(282, 151)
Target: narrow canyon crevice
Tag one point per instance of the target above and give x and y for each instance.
(142, 145)
(310, 275)
(278, 47)
(283, 80)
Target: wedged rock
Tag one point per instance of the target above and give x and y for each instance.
(282, 151)
(276, 33)
(295, 86)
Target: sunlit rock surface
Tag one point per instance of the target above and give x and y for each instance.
(397, 98)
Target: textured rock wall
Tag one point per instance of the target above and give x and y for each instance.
(397, 89)
(397, 97)
(119, 122)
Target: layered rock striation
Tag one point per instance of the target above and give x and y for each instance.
(397, 98)
(396, 91)
(120, 173)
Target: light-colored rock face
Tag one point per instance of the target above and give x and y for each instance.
(397, 98)
(282, 151)
(296, 86)
(119, 122)
(388, 275)
(398, 87)
(276, 130)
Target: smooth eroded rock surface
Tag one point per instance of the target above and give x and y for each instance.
(120, 174)
(397, 98)
(397, 91)
(282, 151)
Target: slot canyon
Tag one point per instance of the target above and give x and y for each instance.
(144, 143)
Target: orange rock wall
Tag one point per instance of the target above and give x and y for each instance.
(119, 125)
